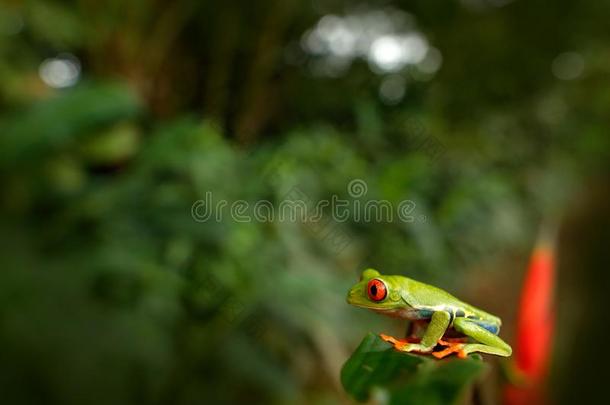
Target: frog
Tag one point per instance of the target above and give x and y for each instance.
(449, 324)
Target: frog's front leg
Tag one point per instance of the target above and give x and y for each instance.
(434, 332)
(488, 342)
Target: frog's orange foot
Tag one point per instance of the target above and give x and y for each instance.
(397, 343)
(389, 339)
(393, 340)
(452, 347)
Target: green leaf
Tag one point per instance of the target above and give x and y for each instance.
(406, 378)
(59, 121)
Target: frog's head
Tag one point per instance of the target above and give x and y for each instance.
(377, 292)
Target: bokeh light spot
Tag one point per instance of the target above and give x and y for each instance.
(432, 62)
(62, 71)
(568, 66)
(387, 39)
(391, 53)
(392, 89)
(387, 53)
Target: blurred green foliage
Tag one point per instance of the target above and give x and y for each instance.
(111, 292)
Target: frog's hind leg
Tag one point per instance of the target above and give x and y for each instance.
(434, 332)
(487, 341)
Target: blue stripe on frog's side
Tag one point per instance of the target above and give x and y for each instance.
(490, 327)
(424, 313)
(427, 314)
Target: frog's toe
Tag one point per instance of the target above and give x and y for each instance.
(457, 348)
(389, 339)
(399, 344)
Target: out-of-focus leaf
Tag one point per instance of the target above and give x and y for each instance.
(117, 144)
(55, 23)
(55, 122)
(402, 378)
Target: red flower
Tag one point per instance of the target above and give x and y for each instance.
(535, 326)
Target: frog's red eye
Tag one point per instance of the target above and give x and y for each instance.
(376, 290)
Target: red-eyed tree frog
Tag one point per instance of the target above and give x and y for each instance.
(439, 311)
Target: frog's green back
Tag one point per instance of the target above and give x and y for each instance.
(427, 297)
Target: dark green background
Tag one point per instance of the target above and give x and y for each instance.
(110, 292)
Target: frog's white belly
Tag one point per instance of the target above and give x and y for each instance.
(406, 313)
